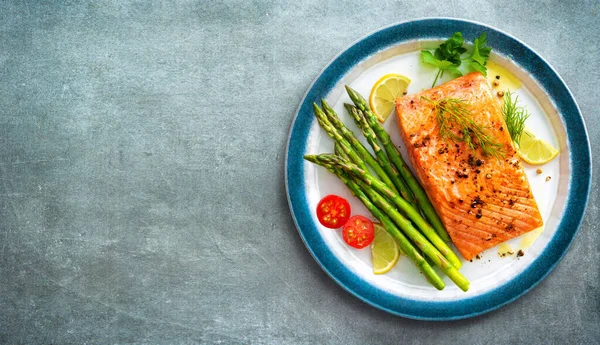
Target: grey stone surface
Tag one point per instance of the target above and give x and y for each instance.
(141, 174)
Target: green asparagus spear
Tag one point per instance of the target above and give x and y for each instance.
(368, 133)
(403, 206)
(357, 145)
(421, 242)
(337, 137)
(405, 245)
(337, 149)
(394, 155)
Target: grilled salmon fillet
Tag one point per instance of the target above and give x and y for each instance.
(482, 200)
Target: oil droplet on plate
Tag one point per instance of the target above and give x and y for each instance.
(530, 237)
(506, 80)
(504, 249)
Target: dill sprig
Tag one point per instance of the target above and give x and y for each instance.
(514, 116)
(456, 122)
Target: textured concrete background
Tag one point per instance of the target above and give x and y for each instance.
(141, 174)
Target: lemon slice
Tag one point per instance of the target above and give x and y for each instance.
(534, 150)
(384, 250)
(384, 94)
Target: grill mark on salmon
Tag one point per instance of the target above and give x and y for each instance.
(498, 208)
(478, 212)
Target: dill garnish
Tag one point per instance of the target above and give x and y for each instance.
(514, 116)
(456, 122)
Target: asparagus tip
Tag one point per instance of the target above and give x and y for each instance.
(317, 110)
(349, 90)
(311, 158)
(355, 96)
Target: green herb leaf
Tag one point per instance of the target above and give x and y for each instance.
(447, 57)
(428, 58)
(478, 67)
(451, 49)
(454, 70)
(442, 65)
(479, 55)
(456, 123)
(514, 116)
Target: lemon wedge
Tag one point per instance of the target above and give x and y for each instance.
(384, 250)
(534, 150)
(384, 94)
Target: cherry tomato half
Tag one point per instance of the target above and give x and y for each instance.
(358, 232)
(333, 211)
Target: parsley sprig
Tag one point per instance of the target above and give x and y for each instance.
(447, 57)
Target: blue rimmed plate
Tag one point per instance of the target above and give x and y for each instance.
(495, 280)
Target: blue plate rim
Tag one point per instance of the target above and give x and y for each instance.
(579, 183)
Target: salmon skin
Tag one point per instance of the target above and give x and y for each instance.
(482, 200)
